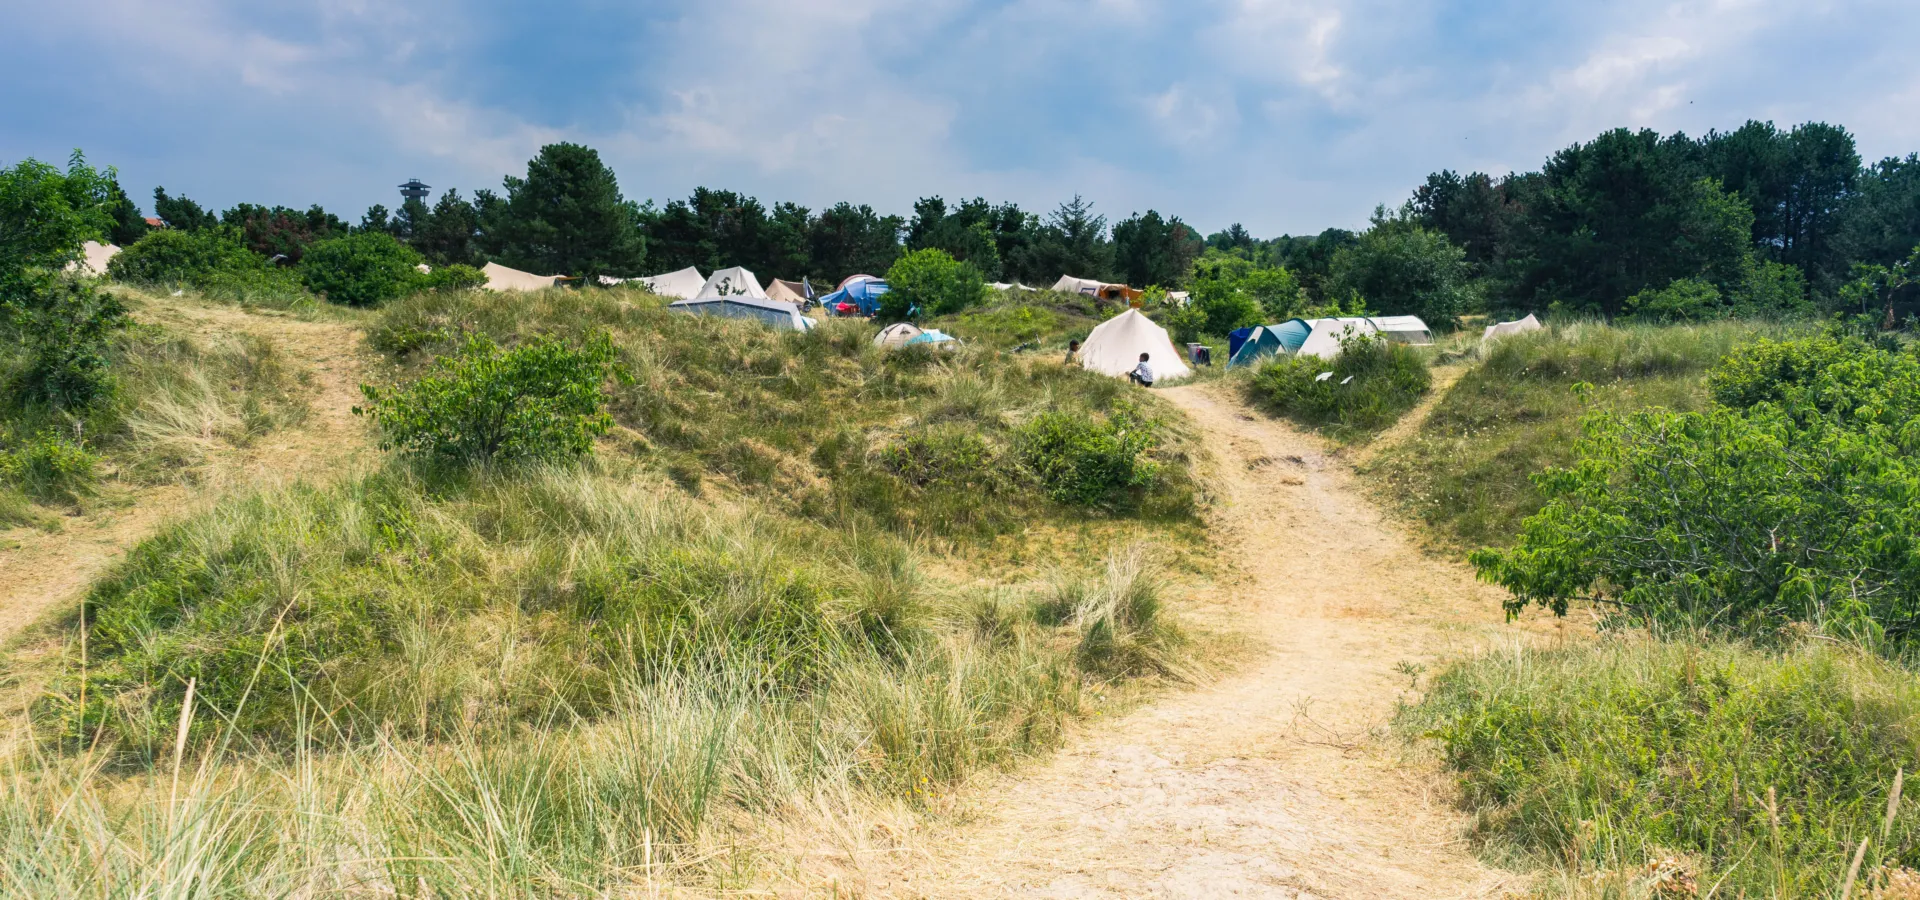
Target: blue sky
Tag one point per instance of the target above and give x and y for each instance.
(1286, 115)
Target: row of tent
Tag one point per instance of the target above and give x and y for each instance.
(1320, 337)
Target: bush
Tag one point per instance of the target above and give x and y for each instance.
(169, 258)
(364, 269)
(450, 278)
(1762, 770)
(1373, 382)
(1797, 506)
(946, 459)
(67, 330)
(1085, 461)
(49, 468)
(930, 283)
(541, 400)
(1684, 300)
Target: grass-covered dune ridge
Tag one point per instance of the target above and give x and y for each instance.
(821, 422)
(1466, 474)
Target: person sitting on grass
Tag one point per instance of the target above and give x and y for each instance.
(1142, 374)
(1073, 352)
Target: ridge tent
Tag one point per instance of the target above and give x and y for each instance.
(896, 335)
(94, 257)
(1517, 327)
(1405, 329)
(791, 291)
(734, 282)
(1115, 346)
(684, 284)
(778, 313)
(858, 298)
(1324, 336)
(501, 278)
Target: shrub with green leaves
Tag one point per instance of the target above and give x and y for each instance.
(169, 258)
(1797, 499)
(933, 283)
(367, 268)
(49, 468)
(451, 278)
(1089, 461)
(542, 400)
(1374, 382)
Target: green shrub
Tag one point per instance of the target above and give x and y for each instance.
(1684, 300)
(1087, 461)
(1796, 508)
(363, 269)
(945, 458)
(930, 283)
(1373, 382)
(67, 330)
(169, 258)
(49, 468)
(541, 400)
(450, 278)
(1762, 770)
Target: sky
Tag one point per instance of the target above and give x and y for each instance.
(1289, 116)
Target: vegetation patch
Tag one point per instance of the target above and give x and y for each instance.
(1466, 473)
(1760, 771)
(1370, 385)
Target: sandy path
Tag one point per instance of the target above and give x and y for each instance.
(1263, 784)
(41, 571)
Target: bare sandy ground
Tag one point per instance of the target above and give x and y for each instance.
(1273, 782)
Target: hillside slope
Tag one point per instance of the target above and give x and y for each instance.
(40, 571)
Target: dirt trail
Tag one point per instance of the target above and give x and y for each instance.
(1263, 784)
(41, 571)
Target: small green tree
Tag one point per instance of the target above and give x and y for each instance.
(66, 326)
(1405, 269)
(539, 401)
(364, 269)
(932, 282)
(1089, 462)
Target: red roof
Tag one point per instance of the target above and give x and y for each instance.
(155, 223)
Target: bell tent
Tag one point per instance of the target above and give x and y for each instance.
(684, 284)
(94, 257)
(1115, 346)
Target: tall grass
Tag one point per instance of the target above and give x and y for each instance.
(1756, 770)
(1467, 472)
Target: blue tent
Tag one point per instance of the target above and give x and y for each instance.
(931, 336)
(864, 294)
(1235, 338)
(1271, 340)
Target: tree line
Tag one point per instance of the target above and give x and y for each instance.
(1759, 219)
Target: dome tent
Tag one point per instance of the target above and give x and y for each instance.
(861, 297)
(1271, 340)
(1115, 346)
(896, 335)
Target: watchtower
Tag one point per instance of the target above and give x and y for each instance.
(415, 189)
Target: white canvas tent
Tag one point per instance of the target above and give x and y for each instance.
(501, 278)
(1073, 285)
(684, 284)
(1324, 338)
(734, 282)
(1115, 346)
(790, 291)
(1405, 329)
(94, 257)
(1505, 328)
(896, 335)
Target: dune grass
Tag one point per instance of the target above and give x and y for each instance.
(174, 401)
(1630, 766)
(1466, 473)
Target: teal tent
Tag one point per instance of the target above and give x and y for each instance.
(1271, 340)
